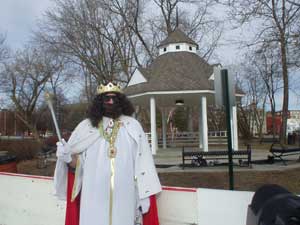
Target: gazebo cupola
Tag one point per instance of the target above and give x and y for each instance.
(177, 41)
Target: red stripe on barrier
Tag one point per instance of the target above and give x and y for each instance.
(26, 176)
(179, 189)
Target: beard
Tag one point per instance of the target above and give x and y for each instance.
(112, 111)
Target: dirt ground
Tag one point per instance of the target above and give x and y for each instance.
(243, 180)
(248, 180)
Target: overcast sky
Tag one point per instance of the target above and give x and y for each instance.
(18, 18)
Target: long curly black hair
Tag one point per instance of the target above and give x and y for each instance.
(96, 110)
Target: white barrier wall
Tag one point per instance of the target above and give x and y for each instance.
(28, 200)
(222, 207)
(177, 206)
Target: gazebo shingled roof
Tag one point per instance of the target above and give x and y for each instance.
(175, 71)
(177, 36)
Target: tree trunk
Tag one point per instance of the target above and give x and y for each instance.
(285, 105)
(273, 123)
(28, 123)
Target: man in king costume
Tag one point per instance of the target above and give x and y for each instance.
(106, 171)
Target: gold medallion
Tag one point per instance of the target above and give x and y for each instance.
(112, 152)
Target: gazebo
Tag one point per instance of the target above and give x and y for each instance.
(177, 75)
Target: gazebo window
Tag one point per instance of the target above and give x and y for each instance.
(190, 48)
(177, 46)
(165, 49)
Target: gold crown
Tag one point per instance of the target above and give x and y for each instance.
(110, 87)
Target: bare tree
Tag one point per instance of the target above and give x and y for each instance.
(261, 80)
(89, 85)
(267, 65)
(216, 118)
(3, 57)
(244, 123)
(87, 33)
(195, 18)
(294, 2)
(4, 51)
(24, 79)
(252, 111)
(277, 21)
(112, 37)
(168, 9)
(132, 14)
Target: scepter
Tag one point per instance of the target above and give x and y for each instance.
(49, 98)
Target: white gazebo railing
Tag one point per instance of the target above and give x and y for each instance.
(179, 139)
(221, 133)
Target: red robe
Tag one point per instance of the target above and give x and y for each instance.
(73, 208)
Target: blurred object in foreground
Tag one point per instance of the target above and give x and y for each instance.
(274, 205)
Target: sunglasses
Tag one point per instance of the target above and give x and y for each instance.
(107, 98)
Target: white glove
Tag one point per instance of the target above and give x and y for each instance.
(63, 151)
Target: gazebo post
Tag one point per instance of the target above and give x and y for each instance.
(234, 129)
(164, 127)
(136, 111)
(200, 126)
(203, 130)
(153, 125)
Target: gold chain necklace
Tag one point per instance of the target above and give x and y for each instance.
(110, 137)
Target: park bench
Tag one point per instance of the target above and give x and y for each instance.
(199, 158)
(280, 151)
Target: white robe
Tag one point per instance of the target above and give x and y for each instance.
(135, 174)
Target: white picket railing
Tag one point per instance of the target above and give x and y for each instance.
(191, 138)
(222, 133)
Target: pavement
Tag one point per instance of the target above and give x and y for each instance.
(170, 159)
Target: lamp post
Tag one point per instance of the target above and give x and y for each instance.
(224, 89)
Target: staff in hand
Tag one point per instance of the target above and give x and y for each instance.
(49, 98)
